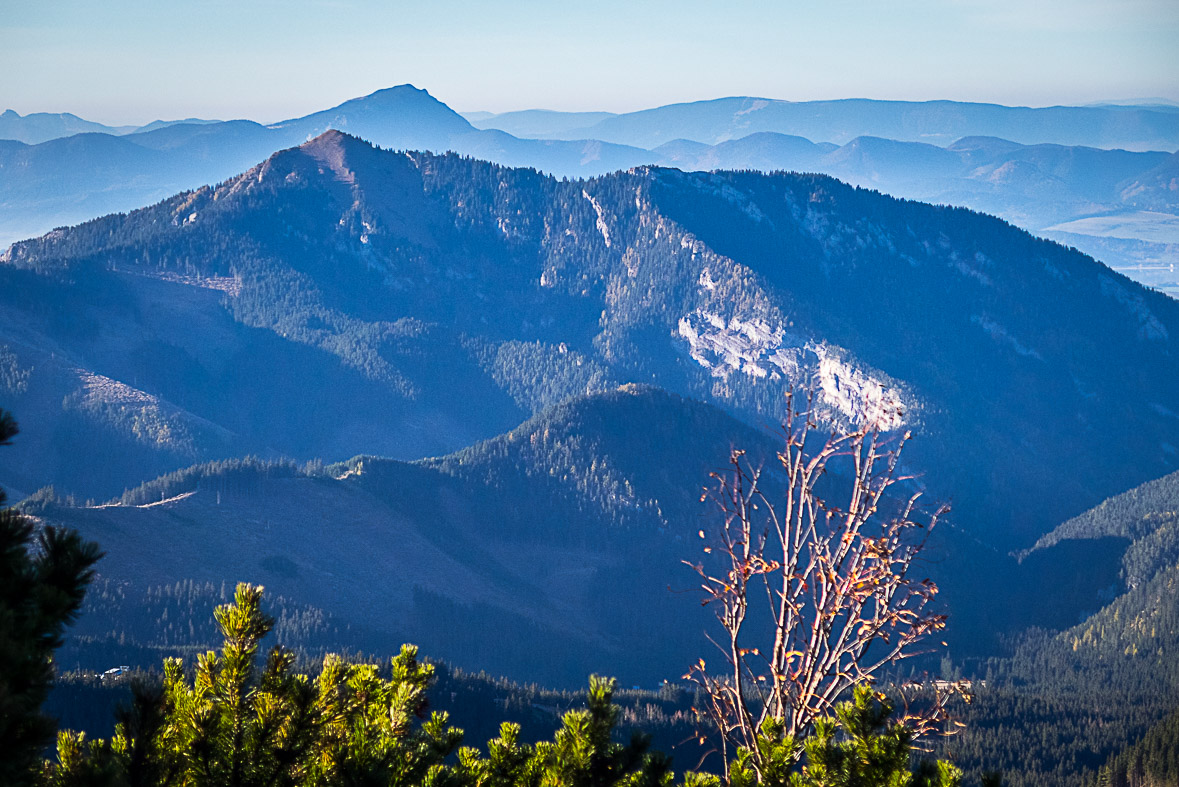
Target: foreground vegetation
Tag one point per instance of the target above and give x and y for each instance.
(232, 723)
(226, 719)
(233, 720)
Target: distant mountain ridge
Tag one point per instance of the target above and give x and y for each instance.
(535, 122)
(381, 118)
(67, 180)
(37, 127)
(1132, 125)
(840, 121)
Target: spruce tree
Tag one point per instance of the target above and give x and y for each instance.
(43, 579)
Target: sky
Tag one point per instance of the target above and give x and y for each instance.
(133, 61)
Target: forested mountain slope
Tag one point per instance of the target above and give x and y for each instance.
(545, 553)
(1078, 695)
(1132, 514)
(375, 295)
(1133, 640)
(1151, 762)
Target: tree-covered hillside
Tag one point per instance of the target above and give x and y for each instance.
(1084, 694)
(1147, 516)
(570, 531)
(566, 532)
(371, 296)
(1153, 761)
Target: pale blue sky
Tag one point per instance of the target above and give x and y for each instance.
(131, 61)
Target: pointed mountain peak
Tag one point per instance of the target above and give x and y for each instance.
(397, 117)
(384, 183)
(399, 91)
(409, 102)
(335, 149)
(332, 150)
(332, 138)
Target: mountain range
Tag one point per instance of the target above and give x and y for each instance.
(1055, 179)
(427, 397)
(937, 122)
(341, 299)
(37, 127)
(73, 178)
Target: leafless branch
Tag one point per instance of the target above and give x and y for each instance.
(834, 575)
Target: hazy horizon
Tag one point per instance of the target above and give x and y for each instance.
(115, 122)
(130, 62)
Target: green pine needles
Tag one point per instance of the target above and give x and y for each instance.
(235, 725)
(238, 721)
(860, 747)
